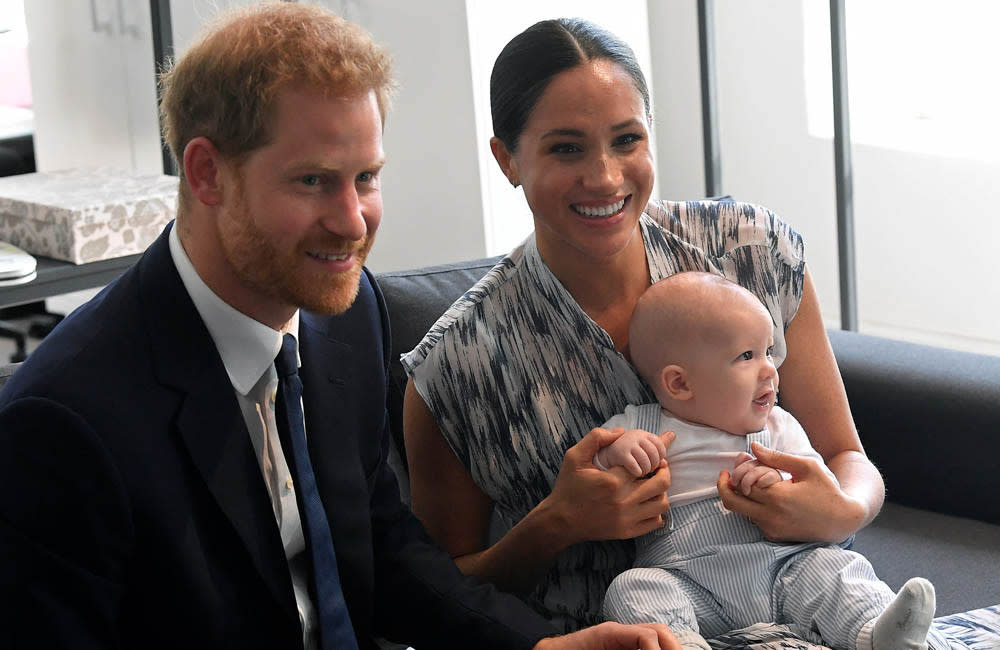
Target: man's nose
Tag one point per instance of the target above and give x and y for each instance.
(344, 215)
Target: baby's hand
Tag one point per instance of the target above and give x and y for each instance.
(638, 451)
(749, 473)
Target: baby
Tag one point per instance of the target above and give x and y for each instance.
(704, 345)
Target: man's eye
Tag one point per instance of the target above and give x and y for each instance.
(311, 180)
(747, 356)
(366, 177)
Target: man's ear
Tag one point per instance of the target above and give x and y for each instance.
(675, 383)
(204, 170)
(505, 159)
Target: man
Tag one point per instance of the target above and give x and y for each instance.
(162, 485)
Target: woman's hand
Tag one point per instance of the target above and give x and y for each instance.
(809, 507)
(590, 504)
(638, 451)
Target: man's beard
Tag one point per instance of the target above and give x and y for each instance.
(286, 276)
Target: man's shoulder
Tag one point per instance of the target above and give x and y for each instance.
(85, 343)
(87, 354)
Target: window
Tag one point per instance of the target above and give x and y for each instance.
(926, 153)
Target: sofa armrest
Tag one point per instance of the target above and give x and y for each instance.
(928, 418)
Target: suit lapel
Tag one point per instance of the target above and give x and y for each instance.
(219, 445)
(210, 422)
(324, 396)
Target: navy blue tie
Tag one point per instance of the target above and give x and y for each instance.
(335, 629)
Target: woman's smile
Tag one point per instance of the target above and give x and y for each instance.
(600, 211)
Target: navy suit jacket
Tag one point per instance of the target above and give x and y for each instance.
(134, 513)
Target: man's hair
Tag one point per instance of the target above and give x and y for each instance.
(225, 86)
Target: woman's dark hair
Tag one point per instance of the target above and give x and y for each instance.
(531, 59)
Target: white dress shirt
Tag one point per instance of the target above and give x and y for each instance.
(248, 348)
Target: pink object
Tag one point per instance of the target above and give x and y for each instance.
(15, 88)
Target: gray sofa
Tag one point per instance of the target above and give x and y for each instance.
(928, 417)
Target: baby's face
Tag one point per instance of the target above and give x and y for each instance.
(733, 378)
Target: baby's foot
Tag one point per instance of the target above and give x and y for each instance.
(905, 622)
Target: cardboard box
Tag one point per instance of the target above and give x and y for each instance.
(85, 215)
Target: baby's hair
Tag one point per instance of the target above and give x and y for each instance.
(676, 314)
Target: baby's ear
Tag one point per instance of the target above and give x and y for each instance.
(674, 381)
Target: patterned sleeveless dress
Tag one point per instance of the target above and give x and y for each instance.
(516, 373)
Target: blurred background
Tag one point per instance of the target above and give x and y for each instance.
(77, 88)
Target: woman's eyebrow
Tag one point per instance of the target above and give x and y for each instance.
(576, 133)
(626, 124)
(573, 133)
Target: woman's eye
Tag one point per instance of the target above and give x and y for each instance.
(747, 356)
(565, 147)
(627, 140)
(770, 351)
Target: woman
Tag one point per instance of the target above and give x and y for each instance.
(505, 386)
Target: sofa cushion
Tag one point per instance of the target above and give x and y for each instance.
(960, 556)
(416, 299)
(928, 419)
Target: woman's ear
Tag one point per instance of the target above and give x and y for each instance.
(675, 383)
(505, 159)
(203, 170)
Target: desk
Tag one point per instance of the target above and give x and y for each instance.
(56, 277)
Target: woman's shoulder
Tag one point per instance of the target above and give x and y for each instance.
(472, 309)
(721, 226)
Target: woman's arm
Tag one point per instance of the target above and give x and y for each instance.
(811, 507)
(585, 504)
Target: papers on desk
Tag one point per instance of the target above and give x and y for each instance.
(16, 266)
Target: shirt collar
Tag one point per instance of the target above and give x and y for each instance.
(247, 347)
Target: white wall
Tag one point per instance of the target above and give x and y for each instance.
(673, 42)
(431, 182)
(766, 152)
(93, 85)
(925, 223)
